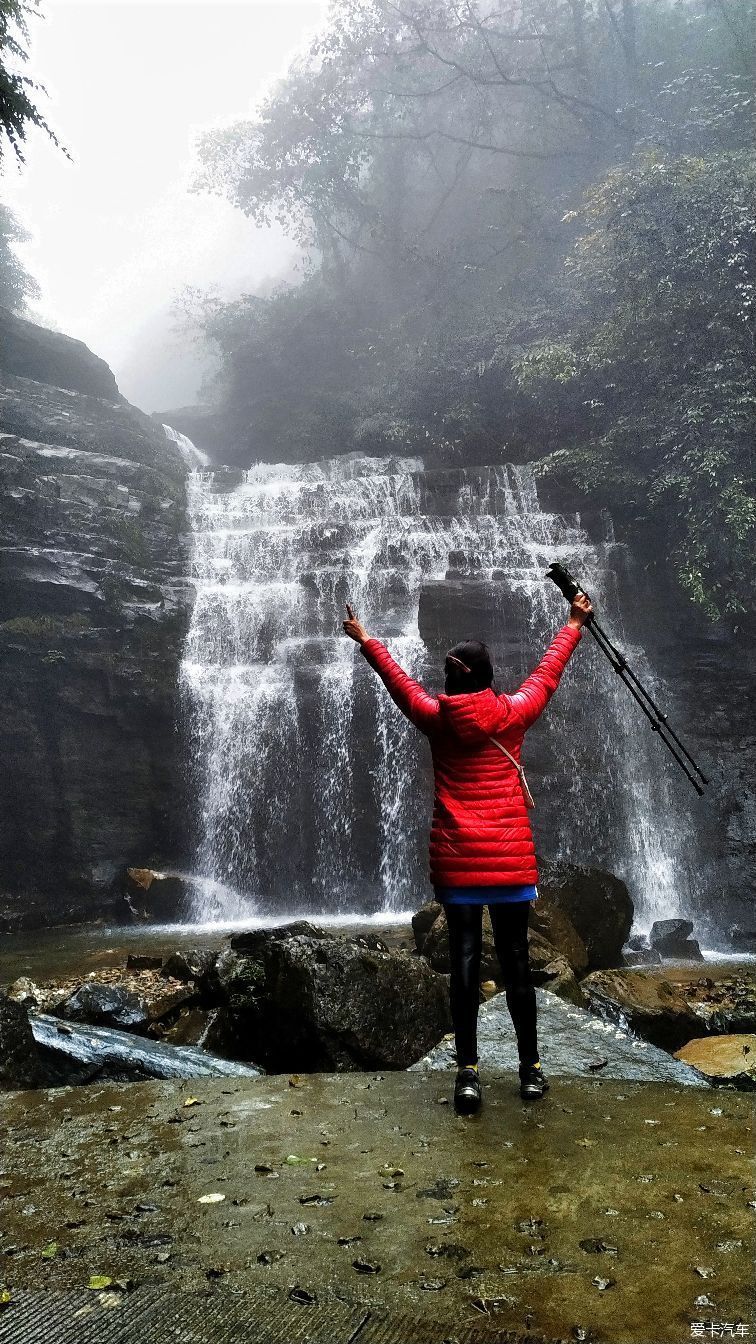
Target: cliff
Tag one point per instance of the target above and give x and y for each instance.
(93, 605)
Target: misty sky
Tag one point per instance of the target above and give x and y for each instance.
(116, 233)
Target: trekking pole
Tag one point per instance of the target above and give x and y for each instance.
(569, 587)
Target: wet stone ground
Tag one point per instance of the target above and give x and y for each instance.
(610, 1210)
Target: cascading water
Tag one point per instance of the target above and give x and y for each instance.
(312, 791)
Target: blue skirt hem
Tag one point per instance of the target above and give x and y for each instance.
(499, 895)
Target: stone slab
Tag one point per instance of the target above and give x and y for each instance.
(570, 1040)
(609, 1206)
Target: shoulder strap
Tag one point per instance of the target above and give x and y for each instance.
(515, 763)
(529, 800)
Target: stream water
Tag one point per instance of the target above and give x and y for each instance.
(312, 791)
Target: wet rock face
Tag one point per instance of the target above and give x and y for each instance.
(723, 1060)
(597, 905)
(146, 897)
(670, 1013)
(19, 1062)
(671, 938)
(106, 1006)
(652, 1008)
(301, 999)
(72, 1054)
(92, 617)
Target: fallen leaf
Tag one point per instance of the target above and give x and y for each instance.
(293, 1161)
(49, 1251)
(99, 1281)
(192, 1101)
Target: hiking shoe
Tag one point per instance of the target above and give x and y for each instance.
(467, 1092)
(533, 1082)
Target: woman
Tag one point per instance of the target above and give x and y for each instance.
(481, 844)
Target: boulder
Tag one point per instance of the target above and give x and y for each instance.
(637, 942)
(642, 956)
(149, 897)
(725, 1006)
(726, 1061)
(210, 1028)
(597, 904)
(168, 1004)
(73, 1054)
(19, 1061)
(671, 938)
(551, 970)
(194, 963)
(23, 990)
(423, 921)
(138, 961)
(555, 925)
(645, 1004)
(742, 939)
(106, 1006)
(666, 932)
(302, 999)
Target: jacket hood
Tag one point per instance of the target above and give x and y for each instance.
(474, 716)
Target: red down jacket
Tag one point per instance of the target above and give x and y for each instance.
(480, 834)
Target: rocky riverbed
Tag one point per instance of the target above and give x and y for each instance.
(307, 998)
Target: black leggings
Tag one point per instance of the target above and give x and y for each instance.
(510, 931)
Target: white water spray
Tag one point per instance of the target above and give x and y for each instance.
(313, 792)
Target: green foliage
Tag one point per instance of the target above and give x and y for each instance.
(663, 277)
(17, 109)
(530, 231)
(16, 285)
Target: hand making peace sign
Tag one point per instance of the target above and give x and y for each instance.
(354, 628)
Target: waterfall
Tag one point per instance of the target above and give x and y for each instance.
(193, 456)
(312, 792)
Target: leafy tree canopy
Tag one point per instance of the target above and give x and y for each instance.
(16, 285)
(530, 230)
(18, 110)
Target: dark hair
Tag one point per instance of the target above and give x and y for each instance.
(477, 661)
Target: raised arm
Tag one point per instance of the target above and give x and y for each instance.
(419, 707)
(531, 699)
(412, 699)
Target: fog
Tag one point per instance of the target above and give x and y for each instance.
(116, 234)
